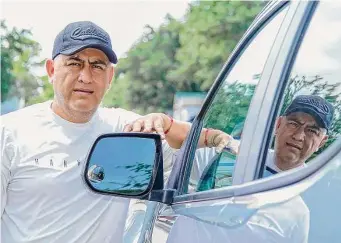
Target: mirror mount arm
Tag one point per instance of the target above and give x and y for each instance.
(164, 196)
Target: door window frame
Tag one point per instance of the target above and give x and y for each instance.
(189, 147)
(272, 102)
(294, 22)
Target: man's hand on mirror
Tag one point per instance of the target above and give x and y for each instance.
(154, 122)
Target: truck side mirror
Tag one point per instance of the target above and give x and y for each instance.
(126, 164)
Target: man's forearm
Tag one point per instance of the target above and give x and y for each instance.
(175, 132)
(178, 131)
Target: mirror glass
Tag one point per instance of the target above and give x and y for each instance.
(122, 165)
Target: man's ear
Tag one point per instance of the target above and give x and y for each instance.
(323, 141)
(111, 76)
(278, 123)
(49, 66)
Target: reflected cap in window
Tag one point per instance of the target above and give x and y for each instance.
(315, 106)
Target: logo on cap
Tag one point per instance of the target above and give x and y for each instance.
(88, 33)
(319, 106)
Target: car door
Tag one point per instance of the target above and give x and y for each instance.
(292, 49)
(257, 44)
(245, 75)
(277, 209)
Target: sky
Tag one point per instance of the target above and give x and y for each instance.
(124, 20)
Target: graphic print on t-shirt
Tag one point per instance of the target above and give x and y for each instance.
(56, 161)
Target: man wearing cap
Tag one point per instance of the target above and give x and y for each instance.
(43, 147)
(301, 131)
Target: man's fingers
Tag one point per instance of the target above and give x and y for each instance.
(222, 143)
(159, 128)
(234, 145)
(137, 126)
(148, 125)
(219, 148)
(128, 128)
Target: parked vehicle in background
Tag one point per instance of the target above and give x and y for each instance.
(186, 105)
(291, 48)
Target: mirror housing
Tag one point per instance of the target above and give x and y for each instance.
(127, 165)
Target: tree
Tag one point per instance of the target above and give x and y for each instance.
(46, 93)
(181, 55)
(230, 106)
(143, 72)
(19, 54)
(209, 35)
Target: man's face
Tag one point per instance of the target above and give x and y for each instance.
(80, 80)
(297, 137)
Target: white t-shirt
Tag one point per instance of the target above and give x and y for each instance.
(204, 155)
(270, 162)
(282, 222)
(43, 197)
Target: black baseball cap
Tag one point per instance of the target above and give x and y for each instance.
(314, 105)
(80, 35)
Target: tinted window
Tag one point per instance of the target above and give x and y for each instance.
(229, 109)
(316, 71)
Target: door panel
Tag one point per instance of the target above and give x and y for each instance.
(323, 200)
(316, 71)
(226, 212)
(279, 215)
(304, 211)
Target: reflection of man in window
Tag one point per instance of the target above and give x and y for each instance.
(300, 132)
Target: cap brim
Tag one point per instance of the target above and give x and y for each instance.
(107, 51)
(311, 112)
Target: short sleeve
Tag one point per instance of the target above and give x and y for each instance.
(168, 159)
(126, 117)
(8, 150)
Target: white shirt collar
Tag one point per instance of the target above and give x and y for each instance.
(270, 161)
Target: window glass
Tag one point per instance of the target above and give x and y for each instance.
(305, 127)
(309, 119)
(229, 109)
